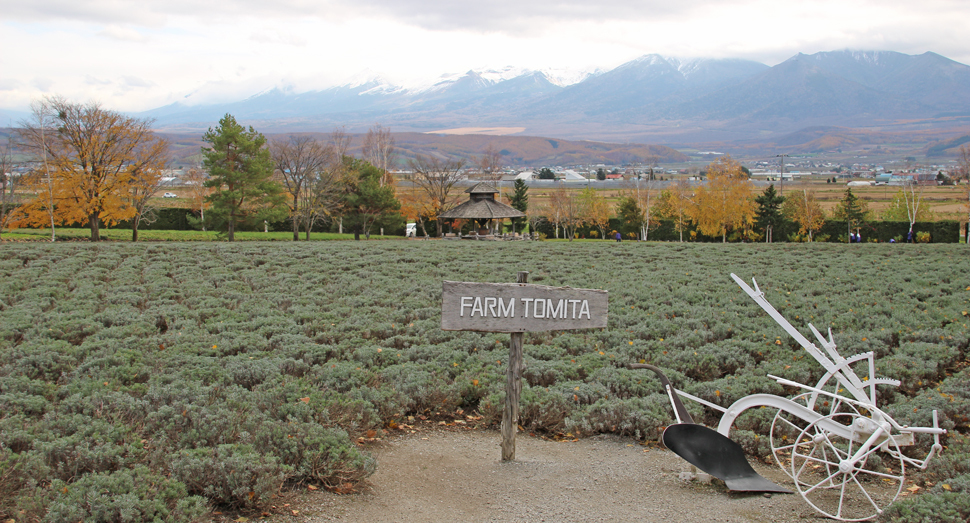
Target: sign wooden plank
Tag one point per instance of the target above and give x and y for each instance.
(520, 307)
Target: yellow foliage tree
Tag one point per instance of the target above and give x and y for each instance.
(673, 203)
(804, 210)
(724, 202)
(596, 211)
(96, 160)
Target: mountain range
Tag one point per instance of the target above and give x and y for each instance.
(651, 99)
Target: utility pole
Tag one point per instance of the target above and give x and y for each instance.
(781, 191)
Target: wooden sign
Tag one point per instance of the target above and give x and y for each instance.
(520, 307)
(517, 308)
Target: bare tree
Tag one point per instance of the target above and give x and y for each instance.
(300, 161)
(913, 196)
(964, 161)
(378, 149)
(35, 140)
(195, 180)
(566, 210)
(490, 164)
(6, 186)
(436, 177)
(146, 179)
(537, 214)
(643, 201)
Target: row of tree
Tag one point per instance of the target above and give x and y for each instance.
(96, 166)
(724, 205)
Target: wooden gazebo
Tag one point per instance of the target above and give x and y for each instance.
(482, 207)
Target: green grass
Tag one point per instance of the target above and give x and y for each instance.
(75, 234)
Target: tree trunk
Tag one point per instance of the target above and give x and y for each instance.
(296, 229)
(94, 223)
(232, 229)
(134, 227)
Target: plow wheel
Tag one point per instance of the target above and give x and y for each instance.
(786, 427)
(835, 484)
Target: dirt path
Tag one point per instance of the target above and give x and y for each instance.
(458, 476)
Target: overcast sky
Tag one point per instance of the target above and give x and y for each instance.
(134, 55)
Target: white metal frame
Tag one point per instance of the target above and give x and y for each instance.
(865, 435)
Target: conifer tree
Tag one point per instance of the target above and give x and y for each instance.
(519, 201)
(241, 172)
(852, 210)
(768, 213)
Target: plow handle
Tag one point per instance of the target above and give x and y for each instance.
(680, 410)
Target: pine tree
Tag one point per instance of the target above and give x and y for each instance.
(365, 202)
(852, 210)
(241, 172)
(768, 213)
(519, 201)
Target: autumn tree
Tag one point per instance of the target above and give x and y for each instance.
(364, 201)
(674, 203)
(803, 209)
(565, 210)
(93, 158)
(436, 177)
(310, 172)
(596, 211)
(852, 210)
(241, 172)
(768, 211)
(414, 206)
(378, 149)
(723, 203)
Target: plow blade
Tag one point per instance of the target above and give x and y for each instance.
(717, 455)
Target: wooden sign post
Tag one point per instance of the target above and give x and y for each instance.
(517, 308)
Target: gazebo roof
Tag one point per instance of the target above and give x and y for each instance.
(481, 210)
(482, 188)
(481, 205)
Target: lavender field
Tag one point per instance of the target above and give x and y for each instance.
(180, 377)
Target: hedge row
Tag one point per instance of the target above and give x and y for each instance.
(943, 231)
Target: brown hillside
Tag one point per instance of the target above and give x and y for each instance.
(517, 151)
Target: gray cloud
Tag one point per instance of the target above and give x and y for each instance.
(497, 15)
(506, 16)
(134, 81)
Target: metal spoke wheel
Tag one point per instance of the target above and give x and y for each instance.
(786, 427)
(836, 482)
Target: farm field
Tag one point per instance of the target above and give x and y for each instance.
(189, 377)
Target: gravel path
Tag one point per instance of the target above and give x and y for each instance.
(458, 476)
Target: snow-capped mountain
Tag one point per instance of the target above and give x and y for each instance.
(732, 98)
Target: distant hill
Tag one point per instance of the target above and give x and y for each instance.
(518, 151)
